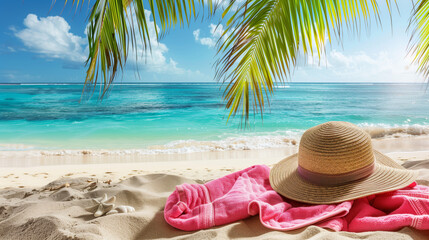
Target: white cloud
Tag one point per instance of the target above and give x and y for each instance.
(196, 34)
(355, 60)
(51, 38)
(225, 3)
(203, 41)
(366, 64)
(318, 62)
(221, 3)
(154, 59)
(381, 66)
(216, 32)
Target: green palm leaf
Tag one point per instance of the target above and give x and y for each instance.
(111, 31)
(265, 38)
(420, 36)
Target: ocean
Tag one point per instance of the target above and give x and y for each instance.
(191, 117)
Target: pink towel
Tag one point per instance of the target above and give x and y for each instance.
(248, 192)
(407, 207)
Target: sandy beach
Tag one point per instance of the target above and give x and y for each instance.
(43, 200)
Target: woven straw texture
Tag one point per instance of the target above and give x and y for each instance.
(336, 148)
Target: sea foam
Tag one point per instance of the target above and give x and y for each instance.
(382, 131)
(265, 140)
(190, 146)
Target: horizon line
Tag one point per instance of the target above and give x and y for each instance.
(143, 83)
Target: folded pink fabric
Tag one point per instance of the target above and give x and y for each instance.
(248, 192)
(390, 211)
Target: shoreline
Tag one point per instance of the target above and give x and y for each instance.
(26, 170)
(32, 158)
(227, 141)
(28, 177)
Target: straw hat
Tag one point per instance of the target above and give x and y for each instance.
(336, 163)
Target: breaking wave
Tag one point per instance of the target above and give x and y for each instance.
(191, 146)
(382, 131)
(276, 139)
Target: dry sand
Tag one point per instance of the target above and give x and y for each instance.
(40, 200)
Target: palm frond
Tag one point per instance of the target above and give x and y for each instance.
(419, 46)
(111, 31)
(266, 37)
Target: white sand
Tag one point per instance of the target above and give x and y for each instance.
(27, 211)
(193, 169)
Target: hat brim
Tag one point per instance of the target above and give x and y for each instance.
(387, 176)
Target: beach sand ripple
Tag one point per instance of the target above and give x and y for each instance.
(57, 211)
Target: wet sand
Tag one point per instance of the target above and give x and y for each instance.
(31, 168)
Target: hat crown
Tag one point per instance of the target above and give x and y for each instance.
(335, 148)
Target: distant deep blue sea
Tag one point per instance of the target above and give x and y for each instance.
(186, 117)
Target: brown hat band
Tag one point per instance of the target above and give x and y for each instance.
(335, 179)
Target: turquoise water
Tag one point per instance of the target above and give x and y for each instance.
(137, 116)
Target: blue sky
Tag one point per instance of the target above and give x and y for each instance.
(42, 45)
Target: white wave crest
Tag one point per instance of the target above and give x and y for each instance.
(190, 146)
(265, 140)
(382, 131)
